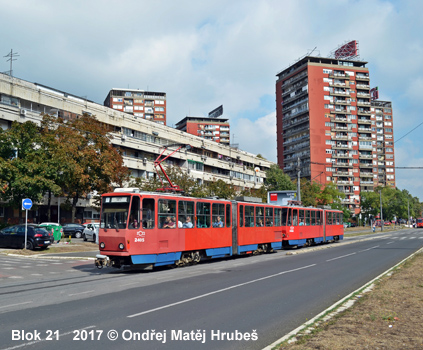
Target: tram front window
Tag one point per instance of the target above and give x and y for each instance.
(114, 213)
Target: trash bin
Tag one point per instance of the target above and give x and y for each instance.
(55, 228)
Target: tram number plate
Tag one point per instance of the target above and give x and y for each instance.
(139, 240)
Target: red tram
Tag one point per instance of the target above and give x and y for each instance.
(154, 229)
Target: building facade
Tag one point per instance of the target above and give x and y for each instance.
(139, 140)
(147, 105)
(214, 129)
(326, 119)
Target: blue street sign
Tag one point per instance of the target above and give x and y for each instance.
(26, 203)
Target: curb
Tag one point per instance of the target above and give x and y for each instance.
(338, 307)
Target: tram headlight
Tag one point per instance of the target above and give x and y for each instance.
(102, 245)
(121, 246)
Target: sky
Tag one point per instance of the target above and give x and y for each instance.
(204, 54)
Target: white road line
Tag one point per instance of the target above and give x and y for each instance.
(26, 302)
(88, 291)
(389, 242)
(365, 250)
(128, 284)
(340, 257)
(218, 291)
(42, 340)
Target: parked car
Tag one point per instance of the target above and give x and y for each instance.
(73, 230)
(54, 228)
(14, 237)
(90, 232)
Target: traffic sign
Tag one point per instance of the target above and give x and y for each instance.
(26, 203)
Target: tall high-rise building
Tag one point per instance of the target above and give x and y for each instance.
(148, 105)
(215, 129)
(327, 120)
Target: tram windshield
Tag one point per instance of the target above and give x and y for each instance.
(114, 213)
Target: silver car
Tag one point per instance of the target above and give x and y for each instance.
(90, 232)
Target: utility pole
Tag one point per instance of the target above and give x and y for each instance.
(11, 56)
(298, 180)
(381, 215)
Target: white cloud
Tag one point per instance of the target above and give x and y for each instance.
(204, 54)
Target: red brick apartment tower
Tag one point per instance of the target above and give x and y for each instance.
(215, 129)
(384, 128)
(324, 117)
(148, 105)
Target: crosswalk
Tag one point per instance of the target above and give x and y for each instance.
(15, 268)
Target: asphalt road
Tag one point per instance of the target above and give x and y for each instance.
(244, 303)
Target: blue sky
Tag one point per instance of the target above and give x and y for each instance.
(204, 54)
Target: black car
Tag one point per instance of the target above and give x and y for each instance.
(14, 237)
(73, 230)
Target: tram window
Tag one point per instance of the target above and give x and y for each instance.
(328, 218)
(148, 213)
(341, 218)
(307, 217)
(313, 218)
(134, 216)
(269, 216)
(318, 216)
(284, 216)
(218, 214)
(203, 215)
(241, 216)
(249, 216)
(278, 217)
(167, 213)
(337, 218)
(259, 216)
(301, 217)
(294, 217)
(228, 215)
(186, 214)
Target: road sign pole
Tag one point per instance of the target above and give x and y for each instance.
(26, 226)
(27, 205)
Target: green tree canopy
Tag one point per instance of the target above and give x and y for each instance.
(88, 161)
(276, 180)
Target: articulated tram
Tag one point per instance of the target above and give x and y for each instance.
(155, 229)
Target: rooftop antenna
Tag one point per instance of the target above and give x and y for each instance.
(12, 58)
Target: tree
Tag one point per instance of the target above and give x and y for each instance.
(276, 180)
(310, 192)
(187, 183)
(220, 189)
(23, 165)
(89, 162)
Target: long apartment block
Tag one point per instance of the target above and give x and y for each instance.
(326, 118)
(140, 140)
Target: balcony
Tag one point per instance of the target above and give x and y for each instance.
(360, 129)
(344, 165)
(366, 174)
(339, 76)
(364, 121)
(362, 77)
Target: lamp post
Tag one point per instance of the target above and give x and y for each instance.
(381, 215)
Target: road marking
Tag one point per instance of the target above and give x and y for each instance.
(218, 291)
(42, 340)
(340, 257)
(88, 291)
(365, 250)
(389, 242)
(26, 302)
(15, 277)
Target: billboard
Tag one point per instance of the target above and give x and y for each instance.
(374, 93)
(216, 112)
(348, 50)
